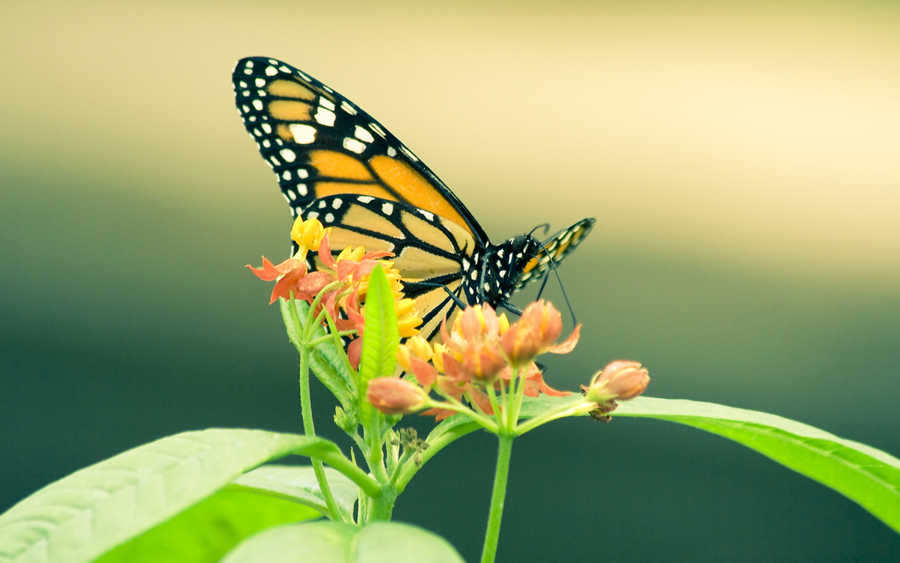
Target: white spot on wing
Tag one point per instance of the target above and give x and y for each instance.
(325, 117)
(257, 104)
(288, 155)
(428, 215)
(392, 152)
(353, 145)
(409, 153)
(303, 133)
(377, 128)
(271, 71)
(326, 103)
(337, 203)
(387, 208)
(302, 189)
(348, 108)
(302, 173)
(363, 135)
(266, 127)
(292, 194)
(329, 218)
(286, 175)
(365, 199)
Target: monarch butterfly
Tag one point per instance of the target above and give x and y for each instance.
(336, 163)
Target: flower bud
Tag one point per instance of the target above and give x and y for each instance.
(482, 362)
(544, 317)
(620, 379)
(478, 323)
(392, 395)
(308, 234)
(521, 343)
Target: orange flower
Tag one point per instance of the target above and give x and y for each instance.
(620, 379)
(535, 333)
(392, 395)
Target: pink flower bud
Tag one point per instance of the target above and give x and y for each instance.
(478, 323)
(392, 395)
(620, 379)
(482, 362)
(521, 343)
(546, 320)
(533, 334)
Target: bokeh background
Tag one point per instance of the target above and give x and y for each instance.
(742, 160)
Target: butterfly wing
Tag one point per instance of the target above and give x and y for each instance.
(429, 250)
(320, 144)
(554, 248)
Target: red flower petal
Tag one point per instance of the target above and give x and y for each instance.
(568, 344)
(284, 285)
(439, 414)
(354, 352)
(270, 272)
(425, 373)
(325, 253)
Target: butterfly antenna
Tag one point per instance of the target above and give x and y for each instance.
(544, 226)
(552, 263)
(512, 309)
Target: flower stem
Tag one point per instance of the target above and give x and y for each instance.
(310, 430)
(492, 536)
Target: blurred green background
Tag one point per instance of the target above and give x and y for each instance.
(741, 160)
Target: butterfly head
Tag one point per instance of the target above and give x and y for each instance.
(494, 273)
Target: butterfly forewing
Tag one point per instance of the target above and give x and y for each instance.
(320, 144)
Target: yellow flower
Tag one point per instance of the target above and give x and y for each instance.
(308, 235)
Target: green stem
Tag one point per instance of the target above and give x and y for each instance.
(310, 430)
(492, 536)
(410, 467)
(577, 409)
(383, 505)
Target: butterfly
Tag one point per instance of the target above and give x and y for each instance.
(336, 163)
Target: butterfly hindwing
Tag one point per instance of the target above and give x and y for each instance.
(554, 248)
(320, 144)
(429, 251)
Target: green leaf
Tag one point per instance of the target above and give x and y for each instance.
(84, 515)
(329, 542)
(379, 349)
(328, 363)
(863, 474)
(298, 483)
(208, 530)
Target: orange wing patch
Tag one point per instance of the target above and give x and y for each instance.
(333, 164)
(290, 89)
(415, 189)
(287, 110)
(325, 189)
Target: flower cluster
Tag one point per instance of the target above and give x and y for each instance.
(338, 285)
(482, 354)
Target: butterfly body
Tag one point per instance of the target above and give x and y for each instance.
(336, 163)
